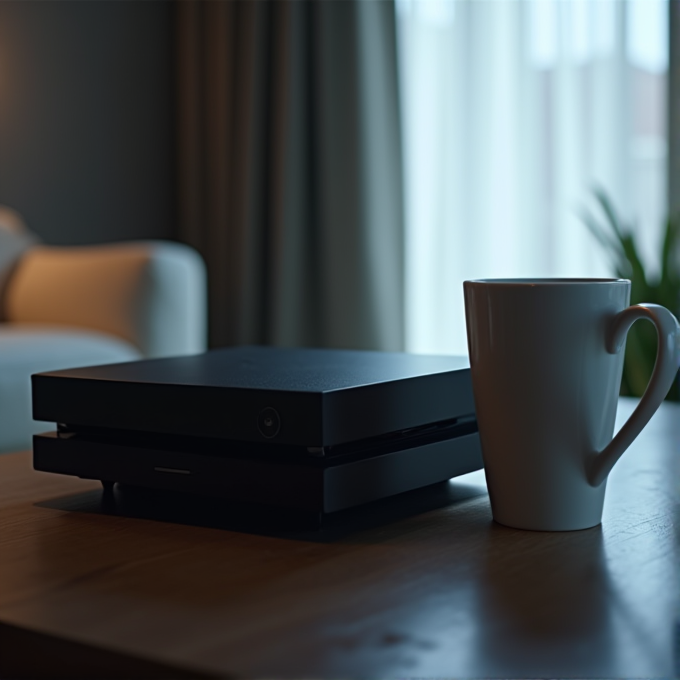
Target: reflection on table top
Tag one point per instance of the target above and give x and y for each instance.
(421, 585)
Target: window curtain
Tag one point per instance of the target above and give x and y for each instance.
(290, 170)
(674, 108)
(513, 111)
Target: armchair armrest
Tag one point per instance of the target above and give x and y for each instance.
(152, 294)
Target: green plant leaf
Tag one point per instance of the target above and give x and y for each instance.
(609, 211)
(618, 241)
(610, 244)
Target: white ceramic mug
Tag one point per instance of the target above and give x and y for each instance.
(546, 358)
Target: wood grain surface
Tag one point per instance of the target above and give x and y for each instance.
(420, 585)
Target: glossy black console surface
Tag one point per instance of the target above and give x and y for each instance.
(300, 397)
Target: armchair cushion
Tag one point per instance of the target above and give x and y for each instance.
(15, 239)
(149, 294)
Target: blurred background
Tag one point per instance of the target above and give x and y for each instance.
(342, 167)
(513, 111)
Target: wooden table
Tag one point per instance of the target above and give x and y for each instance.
(422, 585)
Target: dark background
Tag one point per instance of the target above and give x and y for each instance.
(86, 118)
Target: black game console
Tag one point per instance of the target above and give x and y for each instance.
(308, 429)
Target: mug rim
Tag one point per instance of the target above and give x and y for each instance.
(520, 282)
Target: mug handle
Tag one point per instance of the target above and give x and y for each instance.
(665, 370)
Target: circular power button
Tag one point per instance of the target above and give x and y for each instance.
(268, 422)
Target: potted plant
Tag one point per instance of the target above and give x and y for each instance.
(617, 238)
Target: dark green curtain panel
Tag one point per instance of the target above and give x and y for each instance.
(290, 169)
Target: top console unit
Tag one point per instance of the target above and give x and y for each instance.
(301, 397)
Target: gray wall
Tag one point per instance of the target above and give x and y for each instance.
(86, 118)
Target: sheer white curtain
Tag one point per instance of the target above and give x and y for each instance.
(513, 110)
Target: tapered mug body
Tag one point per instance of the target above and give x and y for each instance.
(546, 386)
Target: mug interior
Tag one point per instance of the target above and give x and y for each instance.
(547, 282)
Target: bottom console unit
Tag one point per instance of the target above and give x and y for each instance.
(236, 471)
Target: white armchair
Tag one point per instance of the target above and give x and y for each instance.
(64, 307)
